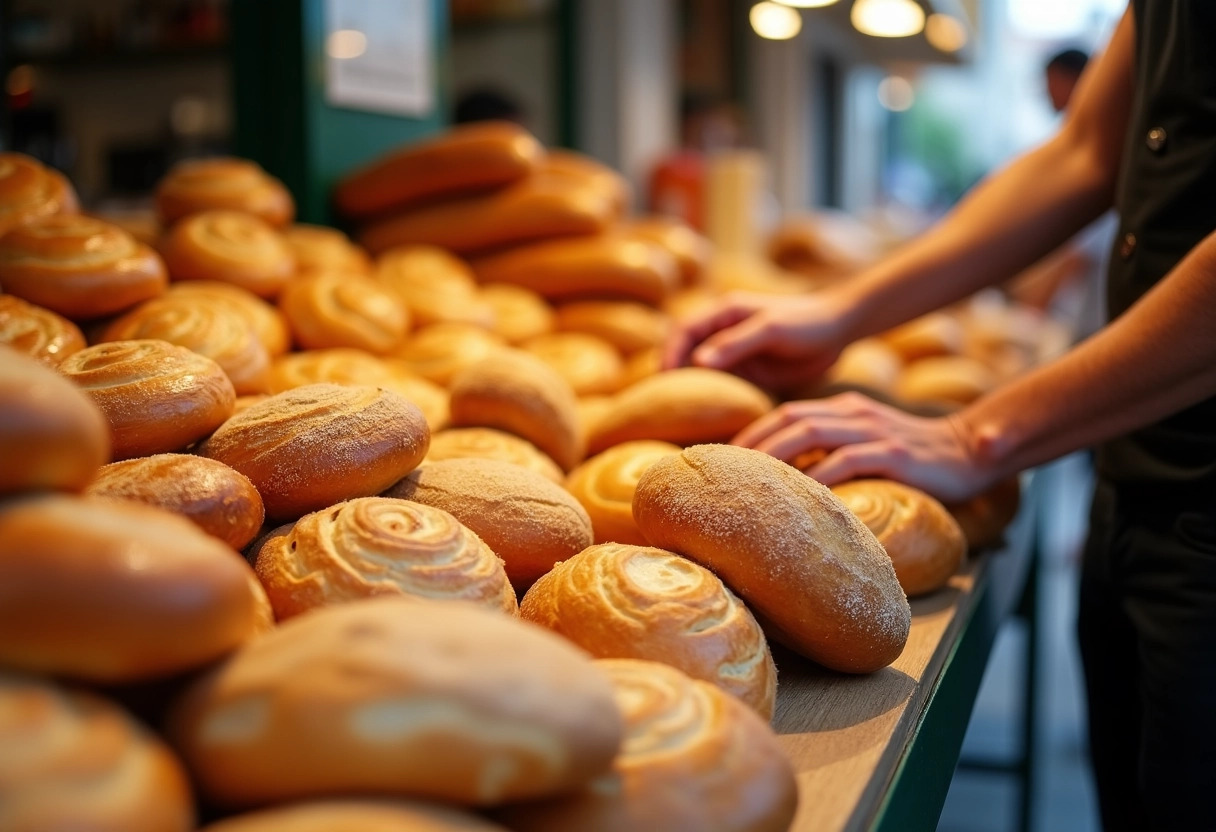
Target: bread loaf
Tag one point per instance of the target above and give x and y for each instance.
(435, 285)
(690, 249)
(317, 445)
(630, 327)
(52, 435)
(528, 521)
(695, 760)
(30, 191)
(222, 184)
(440, 352)
(379, 546)
(37, 332)
(320, 249)
(519, 313)
(340, 309)
(360, 815)
(590, 365)
(230, 247)
(950, 380)
(605, 483)
(586, 171)
(870, 364)
(394, 696)
(985, 517)
(487, 443)
(815, 576)
(220, 501)
(111, 592)
(934, 334)
(266, 320)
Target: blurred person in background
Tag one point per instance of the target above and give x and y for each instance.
(487, 104)
(1139, 136)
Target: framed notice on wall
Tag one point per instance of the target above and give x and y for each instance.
(379, 56)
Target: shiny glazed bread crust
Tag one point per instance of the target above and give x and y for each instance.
(336, 309)
(230, 247)
(605, 484)
(37, 332)
(222, 184)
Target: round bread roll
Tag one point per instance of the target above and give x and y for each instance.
(630, 327)
(379, 546)
(810, 570)
(320, 444)
(618, 601)
(430, 398)
(220, 501)
(52, 435)
(604, 485)
(695, 759)
(37, 332)
(934, 334)
(214, 329)
(336, 309)
(690, 249)
(356, 816)
(75, 761)
(590, 365)
(320, 249)
(925, 543)
(399, 696)
(951, 380)
(78, 266)
(156, 397)
(266, 320)
(869, 363)
(436, 285)
(487, 443)
(521, 394)
(29, 191)
(222, 184)
(441, 351)
(113, 592)
(519, 314)
(985, 517)
(230, 247)
(528, 521)
(683, 406)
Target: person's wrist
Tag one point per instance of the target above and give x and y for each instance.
(988, 444)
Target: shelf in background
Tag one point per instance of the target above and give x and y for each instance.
(122, 58)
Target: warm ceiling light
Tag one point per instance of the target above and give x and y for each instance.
(345, 44)
(945, 32)
(888, 18)
(807, 4)
(774, 21)
(895, 93)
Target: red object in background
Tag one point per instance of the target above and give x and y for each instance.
(677, 188)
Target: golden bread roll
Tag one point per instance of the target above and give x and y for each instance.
(379, 546)
(396, 696)
(690, 248)
(818, 245)
(429, 397)
(519, 313)
(317, 445)
(934, 334)
(320, 249)
(336, 309)
(630, 327)
(487, 443)
(944, 379)
(29, 191)
(924, 542)
(472, 157)
(267, 320)
(37, 332)
(604, 486)
(229, 247)
(111, 591)
(437, 286)
(618, 601)
(442, 351)
(222, 184)
(220, 501)
(603, 266)
(695, 759)
(642, 365)
(72, 760)
(356, 816)
(588, 171)
(536, 208)
(815, 576)
(590, 365)
(528, 521)
(246, 402)
(521, 394)
(684, 406)
(215, 329)
(156, 397)
(52, 435)
(78, 266)
(869, 363)
(985, 517)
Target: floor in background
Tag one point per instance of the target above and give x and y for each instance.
(1064, 799)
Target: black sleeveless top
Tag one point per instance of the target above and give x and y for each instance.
(1166, 200)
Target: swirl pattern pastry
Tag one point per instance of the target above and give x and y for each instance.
(380, 546)
(29, 191)
(588, 363)
(230, 247)
(519, 313)
(440, 352)
(78, 266)
(605, 485)
(695, 759)
(335, 309)
(156, 396)
(75, 761)
(37, 332)
(437, 286)
(320, 249)
(265, 319)
(222, 184)
(487, 443)
(635, 602)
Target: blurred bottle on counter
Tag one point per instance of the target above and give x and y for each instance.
(677, 187)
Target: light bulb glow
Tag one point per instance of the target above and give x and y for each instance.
(775, 21)
(887, 18)
(945, 32)
(895, 93)
(345, 44)
(807, 4)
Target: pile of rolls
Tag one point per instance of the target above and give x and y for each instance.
(298, 532)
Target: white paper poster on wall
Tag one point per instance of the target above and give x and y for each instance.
(378, 56)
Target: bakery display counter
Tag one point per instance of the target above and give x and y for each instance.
(877, 752)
